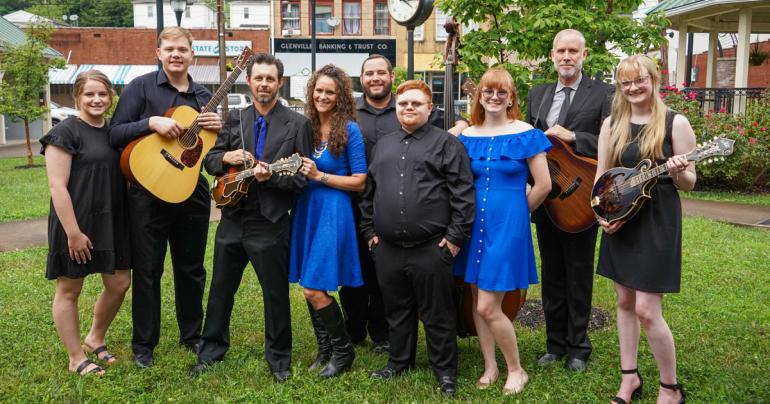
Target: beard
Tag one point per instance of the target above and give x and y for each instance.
(265, 99)
(564, 71)
(385, 93)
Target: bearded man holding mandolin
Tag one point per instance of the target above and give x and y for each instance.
(141, 111)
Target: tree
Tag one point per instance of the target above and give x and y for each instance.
(25, 78)
(91, 13)
(9, 6)
(518, 34)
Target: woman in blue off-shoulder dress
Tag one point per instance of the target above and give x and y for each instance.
(499, 257)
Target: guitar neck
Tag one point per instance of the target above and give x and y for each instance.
(251, 172)
(222, 91)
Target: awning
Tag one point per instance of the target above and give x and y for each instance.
(123, 74)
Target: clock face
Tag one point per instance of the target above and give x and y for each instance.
(403, 10)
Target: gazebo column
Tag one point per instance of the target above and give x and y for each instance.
(681, 56)
(742, 58)
(711, 67)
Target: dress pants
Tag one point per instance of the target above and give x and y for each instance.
(567, 283)
(242, 237)
(418, 279)
(364, 310)
(184, 227)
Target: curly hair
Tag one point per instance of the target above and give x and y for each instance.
(344, 110)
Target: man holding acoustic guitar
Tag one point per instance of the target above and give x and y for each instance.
(144, 109)
(570, 112)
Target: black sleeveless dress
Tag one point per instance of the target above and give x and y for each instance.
(98, 191)
(646, 253)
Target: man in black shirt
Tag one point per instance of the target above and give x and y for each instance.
(416, 212)
(184, 226)
(376, 116)
(257, 228)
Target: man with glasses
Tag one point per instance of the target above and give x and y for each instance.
(572, 109)
(417, 211)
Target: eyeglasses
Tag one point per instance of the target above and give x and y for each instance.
(415, 104)
(637, 82)
(489, 93)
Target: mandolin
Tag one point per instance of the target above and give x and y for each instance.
(169, 168)
(620, 192)
(228, 189)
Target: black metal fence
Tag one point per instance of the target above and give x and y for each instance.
(724, 99)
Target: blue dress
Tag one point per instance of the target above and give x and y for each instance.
(324, 250)
(499, 255)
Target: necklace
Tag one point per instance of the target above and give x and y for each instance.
(320, 149)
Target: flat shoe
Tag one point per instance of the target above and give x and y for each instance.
(107, 357)
(80, 370)
(484, 382)
(518, 389)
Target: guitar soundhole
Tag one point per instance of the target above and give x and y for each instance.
(191, 156)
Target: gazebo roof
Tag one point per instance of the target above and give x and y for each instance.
(715, 15)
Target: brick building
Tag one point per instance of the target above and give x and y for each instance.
(759, 76)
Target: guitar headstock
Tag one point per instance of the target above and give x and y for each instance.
(717, 147)
(287, 165)
(244, 59)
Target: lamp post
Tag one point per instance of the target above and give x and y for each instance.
(178, 6)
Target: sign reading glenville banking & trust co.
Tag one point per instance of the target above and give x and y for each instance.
(211, 48)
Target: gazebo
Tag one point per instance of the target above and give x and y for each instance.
(713, 17)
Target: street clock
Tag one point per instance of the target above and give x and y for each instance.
(410, 13)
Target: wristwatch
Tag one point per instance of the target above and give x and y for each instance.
(324, 178)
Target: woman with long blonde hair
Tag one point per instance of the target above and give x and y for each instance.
(88, 222)
(643, 255)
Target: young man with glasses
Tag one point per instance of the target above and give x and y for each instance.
(572, 109)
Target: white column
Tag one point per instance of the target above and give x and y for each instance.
(681, 56)
(2, 129)
(742, 57)
(711, 64)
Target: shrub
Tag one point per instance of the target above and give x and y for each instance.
(747, 169)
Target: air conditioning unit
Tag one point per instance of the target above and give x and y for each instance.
(290, 32)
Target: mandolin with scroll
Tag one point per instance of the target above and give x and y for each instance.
(227, 189)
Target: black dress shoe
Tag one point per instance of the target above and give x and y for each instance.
(281, 376)
(547, 359)
(198, 369)
(143, 360)
(384, 373)
(448, 385)
(576, 365)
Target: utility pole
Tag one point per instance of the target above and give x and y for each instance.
(159, 23)
(222, 49)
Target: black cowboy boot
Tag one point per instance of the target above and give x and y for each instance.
(322, 337)
(343, 352)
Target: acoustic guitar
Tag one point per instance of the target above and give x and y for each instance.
(169, 168)
(228, 189)
(620, 192)
(572, 176)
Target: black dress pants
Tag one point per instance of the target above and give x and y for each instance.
(243, 237)
(184, 227)
(364, 309)
(418, 279)
(567, 283)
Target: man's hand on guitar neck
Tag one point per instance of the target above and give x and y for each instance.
(562, 133)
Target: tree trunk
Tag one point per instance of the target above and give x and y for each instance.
(29, 143)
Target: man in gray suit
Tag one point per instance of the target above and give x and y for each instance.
(572, 109)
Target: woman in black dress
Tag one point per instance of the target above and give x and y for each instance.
(87, 225)
(643, 255)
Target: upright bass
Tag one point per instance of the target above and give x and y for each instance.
(513, 300)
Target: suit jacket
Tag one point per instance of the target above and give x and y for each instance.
(591, 103)
(287, 132)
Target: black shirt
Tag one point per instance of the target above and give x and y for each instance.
(378, 122)
(419, 186)
(150, 95)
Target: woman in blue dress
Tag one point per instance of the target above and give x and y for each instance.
(324, 252)
(499, 257)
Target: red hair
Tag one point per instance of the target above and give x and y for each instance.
(415, 85)
(495, 78)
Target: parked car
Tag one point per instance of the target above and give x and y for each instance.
(59, 113)
(236, 101)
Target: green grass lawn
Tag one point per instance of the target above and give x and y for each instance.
(720, 323)
(728, 196)
(23, 191)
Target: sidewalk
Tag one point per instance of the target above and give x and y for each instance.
(33, 233)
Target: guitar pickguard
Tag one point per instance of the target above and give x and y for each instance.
(191, 156)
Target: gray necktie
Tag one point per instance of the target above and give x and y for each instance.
(564, 106)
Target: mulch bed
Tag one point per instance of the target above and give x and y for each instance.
(531, 316)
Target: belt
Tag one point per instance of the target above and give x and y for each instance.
(410, 244)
